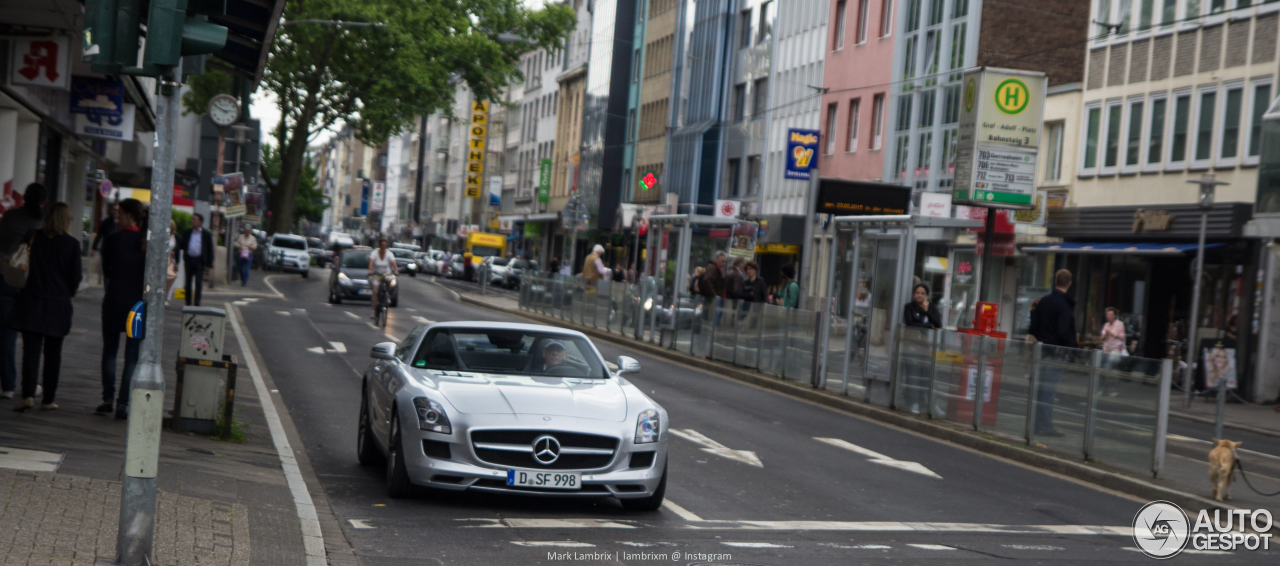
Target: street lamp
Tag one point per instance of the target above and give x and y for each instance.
(1208, 184)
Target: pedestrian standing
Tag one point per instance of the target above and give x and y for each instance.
(553, 268)
(712, 284)
(196, 245)
(1054, 325)
(124, 264)
(790, 289)
(919, 313)
(107, 227)
(1112, 345)
(593, 268)
(753, 287)
(619, 273)
(43, 311)
(14, 227)
(246, 244)
(733, 279)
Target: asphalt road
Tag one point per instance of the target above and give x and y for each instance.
(811, 502)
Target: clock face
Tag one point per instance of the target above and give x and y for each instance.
(224, 110)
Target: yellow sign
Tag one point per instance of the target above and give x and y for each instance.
(803, 156)
(1012, 96)
(476, 148)
(970, 94)
(777, 249)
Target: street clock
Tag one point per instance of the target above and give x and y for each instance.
(224, 110)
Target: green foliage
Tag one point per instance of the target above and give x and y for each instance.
(201, 88)
(308, 201)
(377, 80)
(238, 428)
(182, 219)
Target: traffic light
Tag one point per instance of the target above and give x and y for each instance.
(111, 34)
(176, 28)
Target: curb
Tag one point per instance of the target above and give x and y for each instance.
(969, 439)
(1225, 424)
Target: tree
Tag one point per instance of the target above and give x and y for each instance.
(309, 200)
(201, 88)
(378, 79)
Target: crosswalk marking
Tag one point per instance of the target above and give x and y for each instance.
(744, 456)
(681, 511)
(754, 545)
(930, 547)
(339, 346)
(878, 458)
(553, 543)
(851, 526)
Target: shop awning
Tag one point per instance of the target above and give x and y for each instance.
(1128, 248)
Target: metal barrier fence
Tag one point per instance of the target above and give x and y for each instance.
(1100, 407)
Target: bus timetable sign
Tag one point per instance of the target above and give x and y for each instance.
(998, 138)
(860, 198)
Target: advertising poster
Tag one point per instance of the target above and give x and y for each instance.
(742, 241)
(1219, 363)
(802, 153)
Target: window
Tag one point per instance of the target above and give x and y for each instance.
(1093, 125)
(753, 175)
(877, 120)
(635, 66)
(1233, 104)
(904, 113)
(1133, 137)
(1053, 152)
(766, 26)
(960, 9)
(912, 15)
(951, 105)
(909, 67)
(831, 129)
(924, 154)
(935, 12)
(949, 151)
(861, 30)
(1155, 137)
(900, 156)
(1181, 125)
(732, 179)
(839, 31)
(744, 34)
(1145, 12)
(925, 115)
(886, 17)
(1111, 151)
(957, 49)
(631, 126)
(1204, 127)
(1261, 98)
(739, 102)
(760, 100)
(932, 45)
(855, 106)
(1168, 11)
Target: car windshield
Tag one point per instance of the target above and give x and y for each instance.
(290, 243)
(401, 253)
(524, 264)
(512, 352)
(356, 260)
(484, 251)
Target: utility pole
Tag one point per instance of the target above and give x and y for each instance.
(146, 398)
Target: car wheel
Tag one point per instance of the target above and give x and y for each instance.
(366, 447)
(651, 503)
(306, 274)
(398, 484)
(334, 296)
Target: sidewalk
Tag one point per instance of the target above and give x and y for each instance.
(1183, 480)
(218, 502)
(1262, 420)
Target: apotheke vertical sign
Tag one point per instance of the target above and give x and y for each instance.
(476, 145)
(998, 138)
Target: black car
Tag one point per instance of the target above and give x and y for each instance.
(349, 278)
(515, 269)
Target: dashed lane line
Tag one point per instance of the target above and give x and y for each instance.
(852, 526)
(931, 547)
(755, 545)
(680, 511)
(360, 524)
(553, 543)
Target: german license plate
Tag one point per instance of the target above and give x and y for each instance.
(545, 480)
(363, 291)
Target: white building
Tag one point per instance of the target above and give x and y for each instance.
(536, 123)
(799, 54)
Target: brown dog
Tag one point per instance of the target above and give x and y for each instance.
(1222, 462)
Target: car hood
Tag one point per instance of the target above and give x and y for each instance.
(599, 399)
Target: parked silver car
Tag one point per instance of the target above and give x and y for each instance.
(511, 408)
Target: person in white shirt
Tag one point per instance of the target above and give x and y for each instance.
(382, 265)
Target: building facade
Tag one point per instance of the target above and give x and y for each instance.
(653, 109)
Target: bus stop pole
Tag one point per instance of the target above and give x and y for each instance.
(805, 273)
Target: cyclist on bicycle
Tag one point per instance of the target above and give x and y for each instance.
(382, 266)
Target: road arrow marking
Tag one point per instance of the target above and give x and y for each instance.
(744, 456)
(360, 524)
(316, 350)
(879, 458)
(339, 346)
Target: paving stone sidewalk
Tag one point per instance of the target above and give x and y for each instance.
(218, 503)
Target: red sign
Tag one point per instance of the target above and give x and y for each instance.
(41, 61)
(648, 181)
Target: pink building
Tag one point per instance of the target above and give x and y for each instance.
(857, 74)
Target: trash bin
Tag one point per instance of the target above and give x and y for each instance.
(202, 387)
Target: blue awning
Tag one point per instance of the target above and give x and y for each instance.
(1126, 248)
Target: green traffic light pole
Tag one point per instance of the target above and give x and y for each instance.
(134, 539)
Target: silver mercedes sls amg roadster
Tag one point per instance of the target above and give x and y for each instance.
(511, 408)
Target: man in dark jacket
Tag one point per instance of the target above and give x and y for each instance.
(196, 246)
(14, 227)
(1053, 323)
(733, 279)
(712, 284)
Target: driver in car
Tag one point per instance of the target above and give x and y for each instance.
(554, 360)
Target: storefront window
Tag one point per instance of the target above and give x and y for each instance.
(957, 308)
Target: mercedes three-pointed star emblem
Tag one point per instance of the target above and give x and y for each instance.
(546, 450)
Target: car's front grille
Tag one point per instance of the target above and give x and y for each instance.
(641, 459)
(525, 459)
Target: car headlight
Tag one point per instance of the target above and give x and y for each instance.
(431, 416)
(648, 427)
(343, 279)
(648, 304)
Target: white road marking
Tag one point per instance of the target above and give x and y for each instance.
(360, 524)
(412, 310)
(353, 315)
(423, 320)
(316, 350)
(267, 280)
(744, 456)
(490, 523)
(240, 303)
(284, 313)
(556, 543)
(856, 546)
(29, 460)
(250, 299)
(1032, 546)
(878, 458)
(680, 511)
(1181, 438)
(339, 346)
(1186, 551)
(312, 538)
(930, 547)
(754, 545)
(853, 526)
(646, 544)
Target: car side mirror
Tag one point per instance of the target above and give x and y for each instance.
(628, 365)
(384, 351)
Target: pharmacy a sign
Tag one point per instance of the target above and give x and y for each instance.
(998, 138)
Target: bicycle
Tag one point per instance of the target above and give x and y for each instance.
(383, 301)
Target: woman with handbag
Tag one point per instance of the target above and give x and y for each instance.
(43, 310)
(124, 262)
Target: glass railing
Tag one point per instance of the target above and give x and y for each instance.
(1102, 407)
